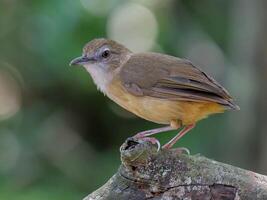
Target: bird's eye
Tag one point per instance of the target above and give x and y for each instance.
(106, 53)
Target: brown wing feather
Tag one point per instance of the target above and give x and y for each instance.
(167, 77)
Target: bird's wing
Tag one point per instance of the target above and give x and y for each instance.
(167, 77)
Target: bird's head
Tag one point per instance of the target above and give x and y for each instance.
(102, 58)
(102, 53)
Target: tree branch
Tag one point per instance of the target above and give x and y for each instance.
(169, 174)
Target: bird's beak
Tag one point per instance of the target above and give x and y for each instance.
(81, 60)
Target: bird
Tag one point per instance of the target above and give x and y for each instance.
(157, 87)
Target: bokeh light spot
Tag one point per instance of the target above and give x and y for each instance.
(10, 98)
(133, 25)
(98, 7)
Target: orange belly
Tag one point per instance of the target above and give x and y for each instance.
(162, 111)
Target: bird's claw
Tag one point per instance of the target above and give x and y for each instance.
(152, 140)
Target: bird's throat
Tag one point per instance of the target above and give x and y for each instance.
(99, 76)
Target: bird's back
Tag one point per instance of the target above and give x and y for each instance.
(168, 77)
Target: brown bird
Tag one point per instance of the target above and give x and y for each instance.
(157, 87)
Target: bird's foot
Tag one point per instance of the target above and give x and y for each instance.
(149, 139)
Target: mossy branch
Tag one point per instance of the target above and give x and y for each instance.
(168, 174)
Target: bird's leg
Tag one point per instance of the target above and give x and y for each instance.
(178, 136)
(153, 131)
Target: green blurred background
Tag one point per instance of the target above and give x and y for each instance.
(60, 137)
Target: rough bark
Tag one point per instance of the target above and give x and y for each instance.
(170, 174)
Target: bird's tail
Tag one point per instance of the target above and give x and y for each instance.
(232, 105)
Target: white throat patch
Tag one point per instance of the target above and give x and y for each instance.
(100, 77)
